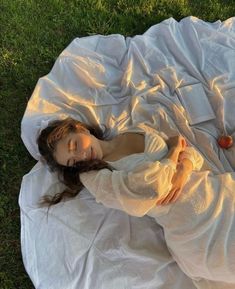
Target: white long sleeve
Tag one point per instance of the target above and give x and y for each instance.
(134, 192)
(194, 156)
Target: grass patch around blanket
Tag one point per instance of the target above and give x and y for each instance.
(33, 34)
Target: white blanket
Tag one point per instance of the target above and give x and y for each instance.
(176, 76)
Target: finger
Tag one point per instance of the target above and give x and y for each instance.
(168, 197)
(161, 201)
(183, 143)
(176, 196)
(174, 193)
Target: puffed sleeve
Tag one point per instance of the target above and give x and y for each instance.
(134, 192)
(194, 156)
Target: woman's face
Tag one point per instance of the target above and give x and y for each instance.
(77, 146)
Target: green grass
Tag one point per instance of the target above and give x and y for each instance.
(32, 35)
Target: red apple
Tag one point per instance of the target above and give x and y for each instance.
(225, 141)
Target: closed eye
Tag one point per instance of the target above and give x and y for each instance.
(72, 146)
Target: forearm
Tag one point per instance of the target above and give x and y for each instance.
(194, 156)
(186, 165)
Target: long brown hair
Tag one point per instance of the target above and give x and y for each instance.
(47, 142)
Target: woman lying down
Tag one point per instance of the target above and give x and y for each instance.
(142, 174)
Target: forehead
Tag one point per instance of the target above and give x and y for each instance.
(65, 139)
(71, 133)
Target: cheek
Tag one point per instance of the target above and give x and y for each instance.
(60, 154)
(85, 142)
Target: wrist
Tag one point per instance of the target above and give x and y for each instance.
(186, 165)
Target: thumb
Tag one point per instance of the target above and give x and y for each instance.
(183, 143)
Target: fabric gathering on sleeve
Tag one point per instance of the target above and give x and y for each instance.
(194, 156)
(137, 183)
(134, 192)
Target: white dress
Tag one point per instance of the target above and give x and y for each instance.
(199, 228)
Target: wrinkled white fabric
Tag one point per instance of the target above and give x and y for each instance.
(199, 227)
(117, 83)
(82, 244)
(139, 180)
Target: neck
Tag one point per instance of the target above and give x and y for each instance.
(109, 147)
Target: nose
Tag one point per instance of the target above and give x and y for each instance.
(81, 156)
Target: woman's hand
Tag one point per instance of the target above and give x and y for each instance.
(183, 171)
(176, 145)
(177, 142)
